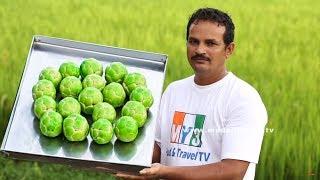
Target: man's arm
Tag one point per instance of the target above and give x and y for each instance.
(226, 169)
(156, 153)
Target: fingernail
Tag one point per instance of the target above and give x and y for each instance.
(142, 171)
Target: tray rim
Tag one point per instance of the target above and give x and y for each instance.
(73, 162)
(5, 137)
(154, 56)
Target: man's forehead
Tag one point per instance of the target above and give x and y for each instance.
(207, 28)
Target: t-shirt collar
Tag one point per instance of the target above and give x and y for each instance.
(210, 86)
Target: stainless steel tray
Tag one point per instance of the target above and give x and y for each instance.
(23, 140)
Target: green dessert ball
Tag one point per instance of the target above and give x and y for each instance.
(94, 80)
(43, 87)
(104, 110)
(126, 129)
(133, 80)
(43, 104)
(91, 66)
(51, 124)
(68, 106)
(52, 75)
(101, 131)
(136, 110)
(115, 72)
(70, 87)
(88, 98)
(75, 127)
(114, 94)
(143, 95)
(69, 69)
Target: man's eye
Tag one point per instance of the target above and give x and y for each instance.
(192, 42)
(211, 44)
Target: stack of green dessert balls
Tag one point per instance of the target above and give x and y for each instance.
(64, 97)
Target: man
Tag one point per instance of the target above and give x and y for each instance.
(211, 124)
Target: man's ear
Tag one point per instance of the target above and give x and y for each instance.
(230, 49)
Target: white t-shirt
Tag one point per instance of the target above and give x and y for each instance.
(199, 125)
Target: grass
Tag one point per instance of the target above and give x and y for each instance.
(277, 52)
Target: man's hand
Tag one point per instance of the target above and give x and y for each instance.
(154, 172)
(127, 176)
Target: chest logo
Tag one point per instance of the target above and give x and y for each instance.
(187, 128)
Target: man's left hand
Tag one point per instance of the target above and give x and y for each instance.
(154, 172)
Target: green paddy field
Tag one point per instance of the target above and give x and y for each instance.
(277, 51)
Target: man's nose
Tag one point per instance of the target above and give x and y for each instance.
(200, 49)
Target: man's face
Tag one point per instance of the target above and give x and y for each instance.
(206, 50)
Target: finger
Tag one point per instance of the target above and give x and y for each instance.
(155, 164)
(148, 172)
(127, 176)
(144, 171)
(106, 169)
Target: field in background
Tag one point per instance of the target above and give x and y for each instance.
(277, 51)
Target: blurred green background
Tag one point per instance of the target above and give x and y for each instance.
(277, 51)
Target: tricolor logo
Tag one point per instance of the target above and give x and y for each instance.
(187, 128)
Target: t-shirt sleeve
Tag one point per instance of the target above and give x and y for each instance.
(244, 128)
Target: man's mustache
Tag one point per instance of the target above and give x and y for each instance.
(200, 57)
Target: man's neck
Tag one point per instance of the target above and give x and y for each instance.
(206, 79)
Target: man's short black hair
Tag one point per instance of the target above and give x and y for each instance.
(216, 16)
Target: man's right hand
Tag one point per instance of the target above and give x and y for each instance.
(136, 177)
